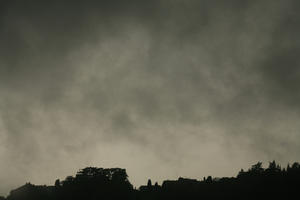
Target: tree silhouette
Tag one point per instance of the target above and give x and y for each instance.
(57, 183)
(149, 184)
(94, 183)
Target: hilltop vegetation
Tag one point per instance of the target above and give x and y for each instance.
(93, 183)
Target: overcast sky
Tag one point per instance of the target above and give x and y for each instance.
(163, 88)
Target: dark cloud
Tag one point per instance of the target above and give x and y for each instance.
(147, 85)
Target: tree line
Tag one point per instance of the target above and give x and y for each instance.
(94, 183)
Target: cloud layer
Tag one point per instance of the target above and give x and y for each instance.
(162, 88)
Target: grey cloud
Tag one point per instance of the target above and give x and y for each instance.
(152, 84)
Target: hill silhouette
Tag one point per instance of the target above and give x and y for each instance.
(94, 183)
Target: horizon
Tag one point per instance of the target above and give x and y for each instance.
(167, 87)
(112, 183)
(153, 182)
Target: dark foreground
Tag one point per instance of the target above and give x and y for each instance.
(110, 184)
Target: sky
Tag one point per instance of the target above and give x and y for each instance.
(163, 88)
